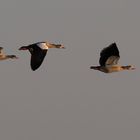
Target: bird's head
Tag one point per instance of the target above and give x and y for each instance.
(129, 67)
(132, 67)
(58, 46)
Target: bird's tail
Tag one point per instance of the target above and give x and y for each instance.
(94, 67)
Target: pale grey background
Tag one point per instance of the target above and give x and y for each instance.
(64, 99)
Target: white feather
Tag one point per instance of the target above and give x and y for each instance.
(43, 46)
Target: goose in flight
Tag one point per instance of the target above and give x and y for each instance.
(108, 61)
(3, 56)
(38, 52)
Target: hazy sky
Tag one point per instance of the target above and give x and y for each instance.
(64, 99)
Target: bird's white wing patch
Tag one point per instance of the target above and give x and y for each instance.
(43, 46)
(112, 60)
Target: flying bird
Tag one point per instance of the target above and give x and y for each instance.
(3, 56)
(108, 61)
(38, 52)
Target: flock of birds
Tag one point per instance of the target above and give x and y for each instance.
(108, 61)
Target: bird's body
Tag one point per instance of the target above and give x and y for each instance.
(38, 52)
(109, 58)
(4, 56)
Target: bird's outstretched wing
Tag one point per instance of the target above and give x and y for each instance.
(37, 57)
(109, 55)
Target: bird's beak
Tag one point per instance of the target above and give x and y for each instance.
(59, 46)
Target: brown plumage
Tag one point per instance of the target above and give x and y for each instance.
(3, 56)
(38, 52)
(108, 61)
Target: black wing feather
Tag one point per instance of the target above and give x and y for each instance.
(37, 57)
(107, 52)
